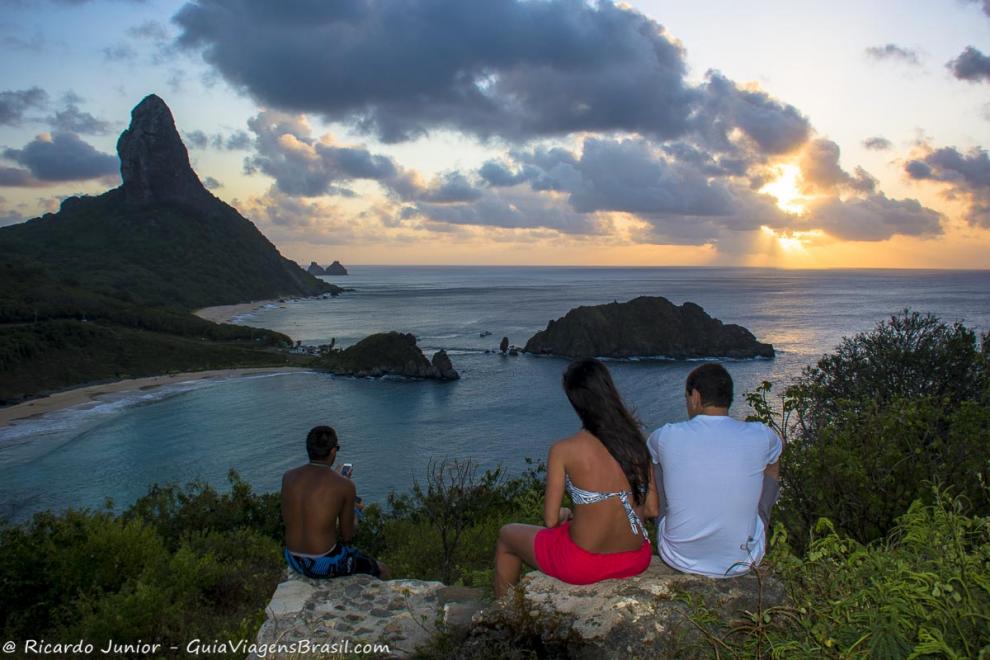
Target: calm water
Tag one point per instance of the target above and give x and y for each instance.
(501, 411)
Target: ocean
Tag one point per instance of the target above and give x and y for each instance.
(502, 411)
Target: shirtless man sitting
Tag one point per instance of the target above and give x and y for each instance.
(315, 499)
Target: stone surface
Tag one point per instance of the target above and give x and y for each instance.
(315, 269)
(444, 367)
(336, 268)
(645, 327)
(386, 354)
(401, 613)
(641, 617)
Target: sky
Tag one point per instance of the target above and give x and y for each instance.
(529, 132)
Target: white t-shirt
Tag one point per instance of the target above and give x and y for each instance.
(712, 479)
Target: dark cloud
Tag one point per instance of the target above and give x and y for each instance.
(63, 157)
(968, 176)
(73, 120)
(196, 139)
(399, 68)
(877, 143)
(971, 65)
(984, 3)
(16, 177)
(236, 141)
(15, 103)
(517, 209)
(36, 43)
(770, 126)
(305, 166)
(821, 171)
(211, 184)
(874, 218)
(894, 52)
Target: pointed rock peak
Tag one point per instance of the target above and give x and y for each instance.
(154, 164)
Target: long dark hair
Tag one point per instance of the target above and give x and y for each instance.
(590, 390)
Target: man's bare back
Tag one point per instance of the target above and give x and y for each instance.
(314, 498)
(318, 511)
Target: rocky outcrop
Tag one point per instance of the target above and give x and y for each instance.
(335, 269)
(154, 164)
(642, 617)
(648, 616)
(387, 354)
(315, 269)
(441, 362)
(645, 327)
(403, 614)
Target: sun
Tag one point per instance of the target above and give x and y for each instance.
(786, 190)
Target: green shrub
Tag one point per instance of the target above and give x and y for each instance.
(923, 591)
(870, 427)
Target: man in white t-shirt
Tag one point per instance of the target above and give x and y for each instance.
(717, 479)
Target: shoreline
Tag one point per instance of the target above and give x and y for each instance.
(89, 394)
(224, 313)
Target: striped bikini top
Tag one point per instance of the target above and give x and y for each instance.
(582, 496)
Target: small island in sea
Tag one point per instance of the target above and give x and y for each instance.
(645, 327)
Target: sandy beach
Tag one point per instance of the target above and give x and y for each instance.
(90, 394)
(223, 313)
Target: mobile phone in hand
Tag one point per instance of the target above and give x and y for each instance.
(347, 470)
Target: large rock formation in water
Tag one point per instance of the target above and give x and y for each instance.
(315, 269)
(645, 327)
(336, 268)
(388, 354)
(161, 238)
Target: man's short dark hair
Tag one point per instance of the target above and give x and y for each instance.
(320, 441)
(714, 384)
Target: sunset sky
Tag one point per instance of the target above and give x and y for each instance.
(791, 134)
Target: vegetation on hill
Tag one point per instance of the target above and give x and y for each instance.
(105, 287)
(865, 581)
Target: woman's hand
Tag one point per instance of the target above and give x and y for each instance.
(564, 515)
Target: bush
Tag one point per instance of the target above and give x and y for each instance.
(923, 591)
(872, 426)
(180, 564)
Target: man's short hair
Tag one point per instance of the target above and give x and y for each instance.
(714, 384)
(320, 441)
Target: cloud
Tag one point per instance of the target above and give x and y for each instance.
(874, 218)
(15, 103)
(821, 171)
(60, 157)
(73, 120)
(894, 52)
(769, 126)
(968, 177)
(211, 184)
(398, 69)
(303, 165)
(16, 177)
(149, 30)
(119, 53)
(9, 216)
(877, 143)
(985, 3)
(971, 65)
(236, 141)
(516, 209)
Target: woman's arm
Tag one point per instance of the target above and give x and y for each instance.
(554, 493)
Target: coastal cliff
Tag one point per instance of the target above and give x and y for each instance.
(645, 327)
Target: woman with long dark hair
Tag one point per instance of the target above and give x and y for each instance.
(605, 468)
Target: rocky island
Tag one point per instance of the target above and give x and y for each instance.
(388, 354)
(336, 268)
(315, 269)
(645, 327)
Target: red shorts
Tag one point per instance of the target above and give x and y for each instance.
(559, 556)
